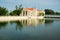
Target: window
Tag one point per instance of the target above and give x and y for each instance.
(26, 13)
(23, 13)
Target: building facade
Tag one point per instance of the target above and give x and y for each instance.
(32, 12)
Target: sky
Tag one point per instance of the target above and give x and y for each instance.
(38, 4)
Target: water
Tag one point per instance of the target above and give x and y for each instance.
(31, 29)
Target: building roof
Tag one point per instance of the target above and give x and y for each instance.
(30, 9)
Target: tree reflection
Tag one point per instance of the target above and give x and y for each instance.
(41, 21)
(3, 24)
(49, 21)
(29, 22)
(18, 25)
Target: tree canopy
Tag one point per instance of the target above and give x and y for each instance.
(3, 11)
(49, 11)
(17, 11)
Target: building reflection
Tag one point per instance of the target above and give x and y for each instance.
(32, 22)
(22, 23)
(19, 24)
(27, 23)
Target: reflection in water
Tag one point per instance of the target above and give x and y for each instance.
(3, 24)
(19, 25)
(28, 22)
(32, 22)
(23, 23)
(29, 29)
(49, 21)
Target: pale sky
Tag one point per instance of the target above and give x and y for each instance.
(38, 4)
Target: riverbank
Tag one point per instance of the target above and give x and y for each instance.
(52, 16)
(9, 18)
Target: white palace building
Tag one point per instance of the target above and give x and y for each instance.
(32, 13)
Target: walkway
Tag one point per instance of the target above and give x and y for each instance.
(52, 16)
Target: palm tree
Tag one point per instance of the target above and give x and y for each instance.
(16, 7)
(17, 11)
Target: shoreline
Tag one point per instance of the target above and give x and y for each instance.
(14, 18)
(52, 16)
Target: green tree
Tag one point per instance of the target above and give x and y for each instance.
(16, 7)
(11, 13)
(49, 11)
(17, 11)
(57, 13)
(41, 14)
(20, 9)
(3, 11)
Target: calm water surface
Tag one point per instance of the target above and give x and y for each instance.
(31, 29)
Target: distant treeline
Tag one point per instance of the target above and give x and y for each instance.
(51, 12)
(15, 12)
(18, 10)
